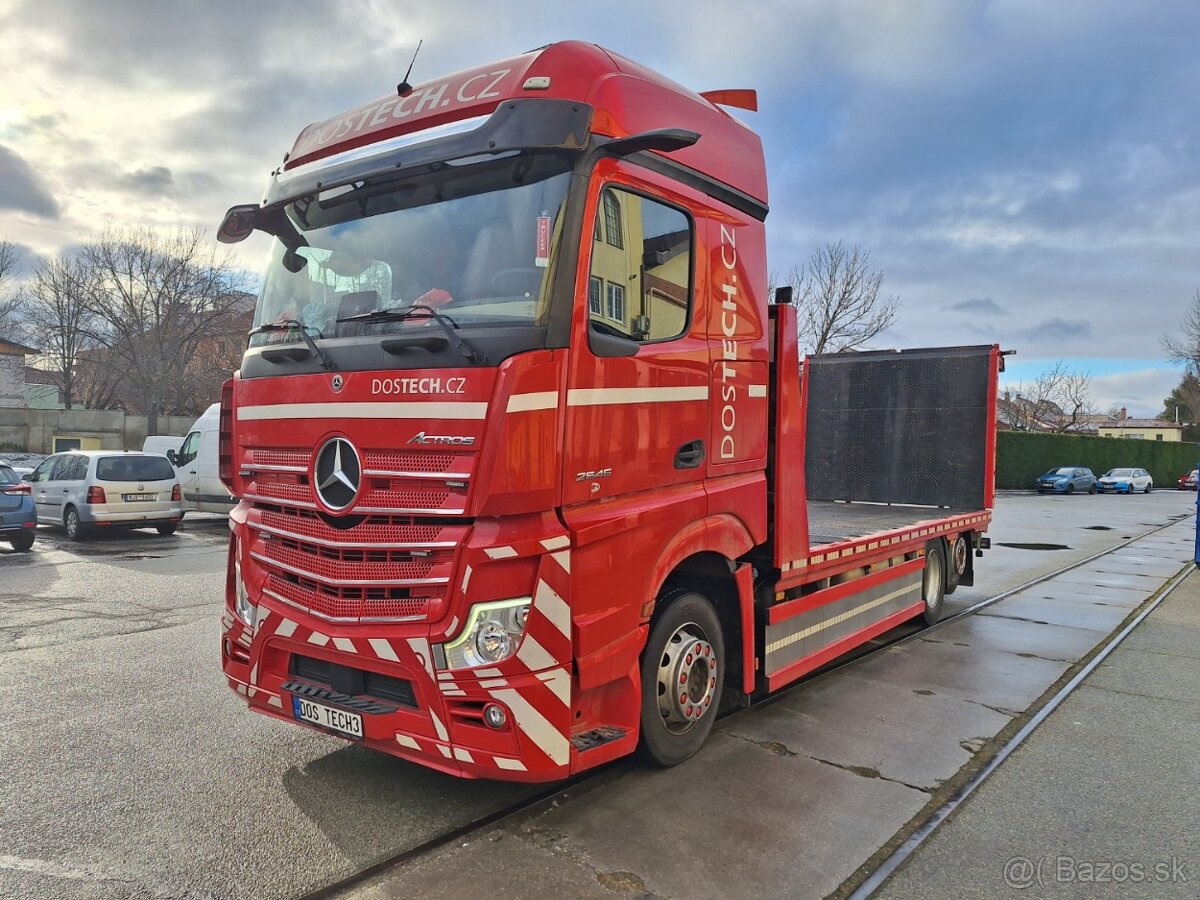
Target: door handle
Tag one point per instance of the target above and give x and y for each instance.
(690, 455)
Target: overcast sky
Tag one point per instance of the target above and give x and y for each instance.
(1024, 172)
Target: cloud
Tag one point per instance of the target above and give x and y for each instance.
(153, 181)
(1057, 329)
(984, 306)
(21, 189)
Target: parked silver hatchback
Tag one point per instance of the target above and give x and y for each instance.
(82, 490)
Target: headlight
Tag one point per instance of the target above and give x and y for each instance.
(246, 611)
(491, 635)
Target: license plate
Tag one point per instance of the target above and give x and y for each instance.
(133, 498)
(327, 717)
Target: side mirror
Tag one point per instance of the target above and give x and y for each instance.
(664, 139)
(171, 457)
(28, 476)
(238, 223)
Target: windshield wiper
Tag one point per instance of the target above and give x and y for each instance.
(296, 325)
(400, 313)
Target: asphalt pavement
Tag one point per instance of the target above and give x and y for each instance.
(1100, 801)
(132, 771)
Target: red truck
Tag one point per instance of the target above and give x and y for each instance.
(531, 473)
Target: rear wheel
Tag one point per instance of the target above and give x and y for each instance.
(682, 673)
(956, 561)
(169, 528)
(1149, 487)
(74, 528)
(933, 581)
(22, 541)
(1092, 489)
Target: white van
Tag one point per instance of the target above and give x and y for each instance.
(196, 462)
(161, 443)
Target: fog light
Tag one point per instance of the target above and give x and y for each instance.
(495, 716)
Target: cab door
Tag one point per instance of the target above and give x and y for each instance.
(638, 388)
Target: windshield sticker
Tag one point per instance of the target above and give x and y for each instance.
(542, 259)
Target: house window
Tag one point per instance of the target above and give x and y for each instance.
(642, 291)
(595, 290)
(616, 302)
(1158, 437)
(612, 220)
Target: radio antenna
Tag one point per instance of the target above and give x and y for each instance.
(404, 88)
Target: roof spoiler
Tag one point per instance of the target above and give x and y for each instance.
(738, 97)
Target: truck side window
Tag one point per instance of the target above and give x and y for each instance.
(191, 444)
(639, 287)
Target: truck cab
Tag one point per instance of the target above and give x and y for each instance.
(501, 431)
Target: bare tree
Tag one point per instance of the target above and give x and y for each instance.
(1184, 346)
(1058, 400)
(838, 301)
(158, 299)
(60, 319)
(10, 299)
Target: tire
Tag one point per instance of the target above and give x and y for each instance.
(1040, 491)
(165, 530)
(74, 528)
(933, 581)
(1149, 487)
(1070, 489)
(1092, 489)
(22, 542)
(956, 559)
(686, 645)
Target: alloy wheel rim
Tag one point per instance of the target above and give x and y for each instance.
(687, 678)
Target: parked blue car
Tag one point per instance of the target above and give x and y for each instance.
(1066, 480)
(18, 516)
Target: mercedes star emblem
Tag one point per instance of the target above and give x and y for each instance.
(337, 473)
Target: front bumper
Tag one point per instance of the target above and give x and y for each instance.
(1058, 487)
(441, 727)
(1117, 487)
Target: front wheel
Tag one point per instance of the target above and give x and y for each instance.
(1070, 488)
(682, 673)
(72, 525)
(933, 581)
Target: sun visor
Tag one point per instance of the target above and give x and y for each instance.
(542, 124)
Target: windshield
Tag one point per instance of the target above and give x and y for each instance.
(1063, 472)
(474, 241)
(1120, 473)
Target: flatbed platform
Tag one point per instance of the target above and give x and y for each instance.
(835, 522)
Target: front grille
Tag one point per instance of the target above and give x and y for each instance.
(386, 531)
(393, 562)
(416, 463)
(334, 566)
(348, 604)
(352, 681)
(385, 568)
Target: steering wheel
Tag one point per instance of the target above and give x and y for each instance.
(521, 280)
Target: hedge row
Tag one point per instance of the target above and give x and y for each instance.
(1021, 456)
